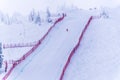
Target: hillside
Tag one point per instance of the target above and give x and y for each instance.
(96, 58)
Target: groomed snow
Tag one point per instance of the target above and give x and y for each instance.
(96, 59)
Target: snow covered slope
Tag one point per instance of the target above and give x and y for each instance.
(48, 60)
(96, 59)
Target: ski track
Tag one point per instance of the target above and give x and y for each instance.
(75, 49)
(50, 48)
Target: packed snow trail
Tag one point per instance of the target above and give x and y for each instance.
(99, 56)
(75, 48)
(47, 61)
(32, 50)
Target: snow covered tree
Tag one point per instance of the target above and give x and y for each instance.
(38, 19)
(48, 16)
(32, 16)
(35, 17)
(104, 13)
(48, 13)
(7, 20)
(1, 17)
(17, 18)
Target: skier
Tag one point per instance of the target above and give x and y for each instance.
(67, 29)
(6, 66)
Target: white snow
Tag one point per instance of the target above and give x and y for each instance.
(98, 56)
(96, 59)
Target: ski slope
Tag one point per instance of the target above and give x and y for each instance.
(97, 57)
(53, 52)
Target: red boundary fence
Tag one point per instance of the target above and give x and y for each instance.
(75, 48)
(31, 50)
(15, 45)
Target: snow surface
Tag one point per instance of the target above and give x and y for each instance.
(96, 59)
(98, 56)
